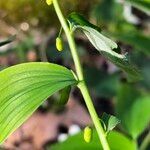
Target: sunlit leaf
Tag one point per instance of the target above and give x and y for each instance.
(104, 45)
(24, 87)
(116, 141)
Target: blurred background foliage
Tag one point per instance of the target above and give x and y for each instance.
(127, 22)
(37, 13)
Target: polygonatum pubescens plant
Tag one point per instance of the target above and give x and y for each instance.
(24, 87)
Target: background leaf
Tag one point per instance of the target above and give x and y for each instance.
(106, 11)
(9, 40)
(24, 87)
(138, 116)
(104, 45)
(136, 39)
(133, 110)
(116, 141)
(104, 84)
(143, 5)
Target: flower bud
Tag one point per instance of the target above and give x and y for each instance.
(87, 134)
(59, 44)
(49, 2)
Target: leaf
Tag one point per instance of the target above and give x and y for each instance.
(138, 116)
(143, 5)
(104, 84)
(133, 110)
(103, 44)
(64, 96)
(146, 73)
(116, 141)
(136, 39)
(9, 40)
(106, 11)
(110, 121)
(24, 87)
(126, 96)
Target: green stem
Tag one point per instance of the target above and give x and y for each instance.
(82, 85)
(94, 116)
(70, 39)
(145, 142)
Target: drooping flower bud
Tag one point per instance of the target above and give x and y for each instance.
(49, 2)
(59, 44)
(87, 134)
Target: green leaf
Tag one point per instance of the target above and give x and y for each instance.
(126, 96)
(64, 96)
(76, 20)
(9, 40)
(116, 141)
(104, 84)
(133, 110)
(110, 121)
(143, 5)
(107, 11)
(103, 44)
(136, 39)
(138, 116)
(24, 87)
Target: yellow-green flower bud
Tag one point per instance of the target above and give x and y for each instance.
(87, 134)
(59, 44)
(49, 2)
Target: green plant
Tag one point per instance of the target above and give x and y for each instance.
(24, 87)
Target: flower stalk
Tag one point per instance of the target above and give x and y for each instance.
(82, 85)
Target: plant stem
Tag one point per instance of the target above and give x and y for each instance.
(145, 142)
(70, 39)
(94, 116)
(82, 85)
